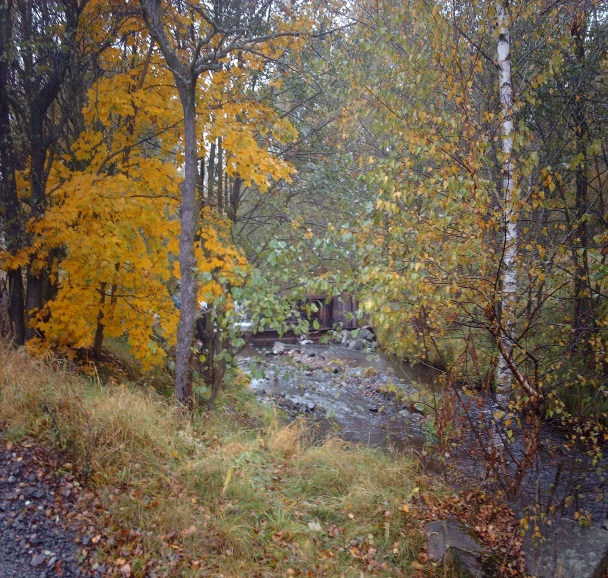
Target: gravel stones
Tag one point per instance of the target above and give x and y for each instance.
(36, 539)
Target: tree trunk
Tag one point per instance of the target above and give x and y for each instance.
(201, 183)
(185, 80)
(583, 305)
(235, 199)
(10, 201)
(211, 173)
(220, 180)
(16, 306)
(226, 189)
(38, 278)
(187, 261)
(508, 272)
(98, 341)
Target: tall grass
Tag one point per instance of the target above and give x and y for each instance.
(233, 491)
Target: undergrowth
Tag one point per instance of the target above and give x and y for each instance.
(233, 492)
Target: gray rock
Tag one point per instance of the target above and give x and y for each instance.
(278, 348)
(567, 551)
(366, 334)
(38, 560)
(449, 542)
(356, 344)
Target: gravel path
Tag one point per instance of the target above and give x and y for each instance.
(38, 539)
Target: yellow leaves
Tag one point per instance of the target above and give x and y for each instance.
(115, 215)
(219, 263)
(548, 182)
(249, 129)
(117, 231)
(89, 145)
(10, 260)
(247, 155)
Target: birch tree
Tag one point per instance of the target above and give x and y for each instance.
(508, 266)
(473, 245)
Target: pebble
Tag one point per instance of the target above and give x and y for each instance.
(38, 559)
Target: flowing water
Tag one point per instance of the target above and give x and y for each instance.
(365, 397)
(345, 391)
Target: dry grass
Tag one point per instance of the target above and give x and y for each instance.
(240, 494)
(113, 430)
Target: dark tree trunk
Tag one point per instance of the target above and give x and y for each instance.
(220, 178)
(98, 341)
(16, 306)
(38, 278)
(8, 188)
(226, 189)
(235, 199)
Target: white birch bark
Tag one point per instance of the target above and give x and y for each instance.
(509, 273)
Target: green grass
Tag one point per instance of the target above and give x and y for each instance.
(240, 494)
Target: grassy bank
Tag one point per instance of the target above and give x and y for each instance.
(231, 493)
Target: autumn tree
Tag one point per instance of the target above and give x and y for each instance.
(202, 39)
(104, 234)
(469, 248)
(47, 48)
(112, 211)
(508, 273)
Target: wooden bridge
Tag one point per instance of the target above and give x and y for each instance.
(331, 312)
(341, 309)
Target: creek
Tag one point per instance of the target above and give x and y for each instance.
(368, 398)
(348, 393)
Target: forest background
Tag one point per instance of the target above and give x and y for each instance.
(445, 162)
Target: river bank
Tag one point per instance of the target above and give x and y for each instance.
(232, 492)
(365, 397)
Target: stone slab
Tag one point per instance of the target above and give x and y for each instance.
(568, 551)
(449, 541)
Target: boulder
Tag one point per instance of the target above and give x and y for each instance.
(567, 550)
(356, 344)
(450, 542)
(278, 348)
(367, 334)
